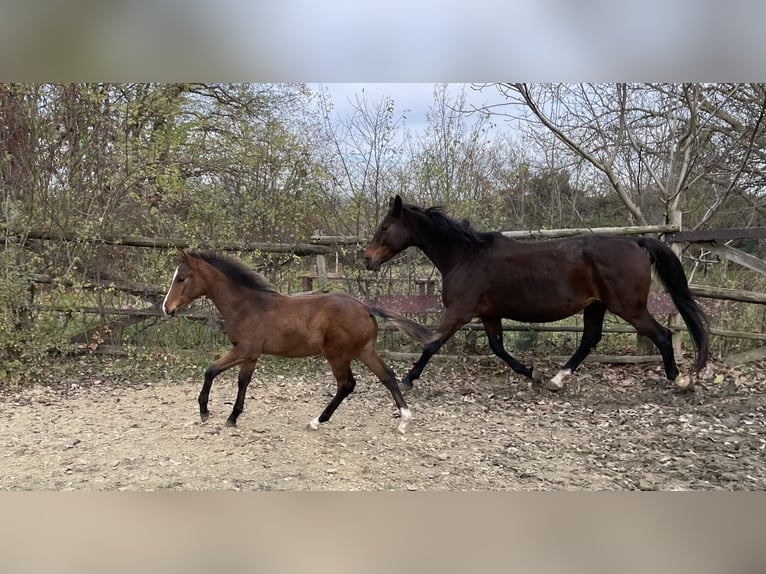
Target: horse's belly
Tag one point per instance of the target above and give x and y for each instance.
(527, 310)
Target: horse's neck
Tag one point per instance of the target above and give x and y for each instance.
(442, 250)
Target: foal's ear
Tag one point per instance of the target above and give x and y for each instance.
(395, 206)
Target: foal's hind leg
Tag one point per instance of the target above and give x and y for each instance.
(593, 321)
(369, 356)
(494, 328)
(346, 384)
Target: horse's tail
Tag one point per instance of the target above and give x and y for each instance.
(670, 271)
(414, 330)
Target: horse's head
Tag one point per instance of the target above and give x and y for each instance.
(187, 285)
(391, 237)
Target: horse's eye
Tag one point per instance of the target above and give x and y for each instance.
(384, 227)
(180, 279)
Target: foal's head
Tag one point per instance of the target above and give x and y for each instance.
(391, 237)
(187, 285)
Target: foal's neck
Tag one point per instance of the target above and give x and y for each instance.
(227, 295)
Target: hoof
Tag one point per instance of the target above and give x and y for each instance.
(684, 383)
(406, 384)
(231, 423)
(204, 416)
(557, 382)
(314, 424)
(405, 416)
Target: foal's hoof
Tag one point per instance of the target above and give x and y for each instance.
(204, 416)
(405, 416)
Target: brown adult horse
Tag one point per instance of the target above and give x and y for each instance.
(490, 276)
(258, 320)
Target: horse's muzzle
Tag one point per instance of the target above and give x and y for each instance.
(371, 263)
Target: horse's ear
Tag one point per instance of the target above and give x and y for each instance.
(183, 255)
(395, 206)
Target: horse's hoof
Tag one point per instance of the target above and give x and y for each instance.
(204, 416)
(314, 424)
(557, 382)
(406, 385)
(231, 423)
(684, 384)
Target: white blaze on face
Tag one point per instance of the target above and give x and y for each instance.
(164, 302)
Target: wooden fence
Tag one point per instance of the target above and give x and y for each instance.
(425, 300)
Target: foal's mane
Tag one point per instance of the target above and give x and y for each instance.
(234, 270)
(452, 228)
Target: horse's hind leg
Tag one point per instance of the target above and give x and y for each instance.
(369, 356)
(494, 328)
(662, 338)
(243, 380)
(593, 321)
(346, 384)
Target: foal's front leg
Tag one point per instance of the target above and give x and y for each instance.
(243, 380)
(230, 359)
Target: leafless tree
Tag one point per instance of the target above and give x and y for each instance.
(656, 144)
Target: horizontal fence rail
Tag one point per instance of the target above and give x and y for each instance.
(173, 242)
(322, 245)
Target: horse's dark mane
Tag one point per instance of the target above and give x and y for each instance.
(454, 228)
(234, 270)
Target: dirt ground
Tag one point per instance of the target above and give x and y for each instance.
(117, 424)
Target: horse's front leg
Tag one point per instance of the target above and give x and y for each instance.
(230, 359)
(450, 323)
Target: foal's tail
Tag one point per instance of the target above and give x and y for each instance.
(414, 330)
(670, 271)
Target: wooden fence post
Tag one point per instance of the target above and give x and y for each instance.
(674, 321)
(321, 272)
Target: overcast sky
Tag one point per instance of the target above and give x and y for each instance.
(411, 99)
